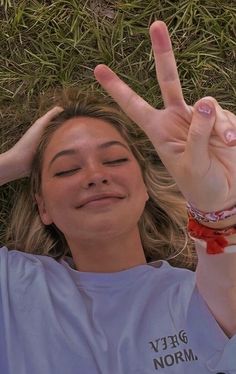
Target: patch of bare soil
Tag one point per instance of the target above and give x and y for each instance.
(103, 8)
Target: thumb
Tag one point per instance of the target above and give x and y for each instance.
(203, 120)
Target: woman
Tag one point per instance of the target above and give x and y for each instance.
(114, 312)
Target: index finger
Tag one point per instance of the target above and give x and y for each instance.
(132, 104)
(166, 69)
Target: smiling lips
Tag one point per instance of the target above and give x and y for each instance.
(99, 197)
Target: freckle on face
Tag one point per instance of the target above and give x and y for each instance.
(62, 195)
(72, 135)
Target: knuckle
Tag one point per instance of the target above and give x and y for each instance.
(196, 133)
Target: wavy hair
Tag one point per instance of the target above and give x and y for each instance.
(163, 223)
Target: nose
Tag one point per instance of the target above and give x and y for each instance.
(96, 176)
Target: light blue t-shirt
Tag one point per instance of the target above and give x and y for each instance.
(144, 320)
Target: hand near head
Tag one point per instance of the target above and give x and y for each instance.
(189, 140)
(22, 153)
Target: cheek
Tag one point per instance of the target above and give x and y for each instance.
(139, 181)
(57, 195)
(139, 188)
(58, 202)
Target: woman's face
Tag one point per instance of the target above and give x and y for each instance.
(91, 183)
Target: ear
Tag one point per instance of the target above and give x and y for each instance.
(147, 196)
(44, 215)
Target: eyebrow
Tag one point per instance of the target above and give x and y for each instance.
(73, 151)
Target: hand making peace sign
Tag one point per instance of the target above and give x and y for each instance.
(191, 141)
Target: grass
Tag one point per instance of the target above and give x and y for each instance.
(48, 44)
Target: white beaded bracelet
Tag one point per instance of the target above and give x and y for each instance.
(217, 216)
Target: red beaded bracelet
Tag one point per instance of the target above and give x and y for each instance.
(215, 238)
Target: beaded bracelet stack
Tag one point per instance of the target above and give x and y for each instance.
(216, 239)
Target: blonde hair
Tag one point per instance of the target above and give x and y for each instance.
(163, 223)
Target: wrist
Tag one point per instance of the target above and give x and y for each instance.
(9, 169)
(228, 222)
(220, 219)
(216, 239)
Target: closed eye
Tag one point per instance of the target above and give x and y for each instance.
(71, 171)
(118, 161)
(67, 172)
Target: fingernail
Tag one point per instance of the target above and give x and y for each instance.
(204, 108)
(230, 136)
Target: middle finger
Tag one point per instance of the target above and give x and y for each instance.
(166, 69)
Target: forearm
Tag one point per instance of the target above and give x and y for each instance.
(9, 170)
(216, 281)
